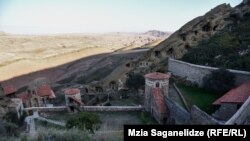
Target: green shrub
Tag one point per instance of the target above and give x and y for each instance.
(10, 128)
(22, 89)
(11, 116)
(84, 121)
(135, 81)
(219, 81)
(53, 134)
(59, 100)
(223, 49)
(56, 87)
(146, 118)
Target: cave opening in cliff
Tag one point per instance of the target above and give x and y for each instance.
(187, 46)
(183, 37)
(170, 51)
(86, 90)
(207, 27)
(195, 32)
(157, 53)
(99, 89)
(215, 27)
(128, 65)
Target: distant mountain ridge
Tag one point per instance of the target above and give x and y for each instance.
(2, 33)
(158, 33)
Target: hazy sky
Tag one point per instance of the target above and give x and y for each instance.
(78, 16)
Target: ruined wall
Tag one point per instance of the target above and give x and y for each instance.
(195, 73)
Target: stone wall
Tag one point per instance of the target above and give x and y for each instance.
(199, 117)
(196, 73)
(226, 111)
(112, 108)
(177, 115)
(242, 116)
(89, 108)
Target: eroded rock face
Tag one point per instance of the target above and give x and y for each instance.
(188, 36)
(246, 1)
(196, 30)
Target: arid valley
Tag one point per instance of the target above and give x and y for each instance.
(24, 54)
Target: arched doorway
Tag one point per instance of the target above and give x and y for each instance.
(157, 85)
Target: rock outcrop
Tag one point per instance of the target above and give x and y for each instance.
(196, 30)
(189, 35)
(246, 1)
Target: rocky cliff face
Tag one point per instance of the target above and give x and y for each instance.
(188, 36)
(196, 30)
(157, 33)
(246, 1)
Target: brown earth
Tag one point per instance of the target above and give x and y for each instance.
(27, 57)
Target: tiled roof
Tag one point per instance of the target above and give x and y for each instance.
(76, 100)
(9, 89)
(236, 95)
(24, 96)
(45, 90)
(159, 100)
(157, 76)
(72, 91)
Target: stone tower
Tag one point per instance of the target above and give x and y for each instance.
(155, 80)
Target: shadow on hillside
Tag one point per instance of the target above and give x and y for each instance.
(84, 66)
(56, 73)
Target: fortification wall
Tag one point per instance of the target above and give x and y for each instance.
(112, 108)
(242, 116)
(90, 108)
(177, 115)
(199, 117)
(196, 73)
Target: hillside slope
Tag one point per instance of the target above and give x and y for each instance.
(219, 19)
(229, 48)
(30, 53)
(187, 37)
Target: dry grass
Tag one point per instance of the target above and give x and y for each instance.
(22, 54)
(53, 134)
(111, 128)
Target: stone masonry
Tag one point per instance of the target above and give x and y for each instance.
(196, 73)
